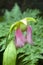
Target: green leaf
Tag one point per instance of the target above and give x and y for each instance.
(9, 56)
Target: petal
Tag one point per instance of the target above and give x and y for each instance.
(19, 43)
(24, 21)
(29, 34)
(20, 40)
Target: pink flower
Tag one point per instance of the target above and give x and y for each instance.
(20, 39)
(29, 35)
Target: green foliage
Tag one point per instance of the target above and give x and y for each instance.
(30, 13)
(29, 54)
(16, 13)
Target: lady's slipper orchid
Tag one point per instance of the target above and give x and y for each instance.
(20, 39)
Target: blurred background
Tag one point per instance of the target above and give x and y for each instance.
(14, 10)
(23, 4)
